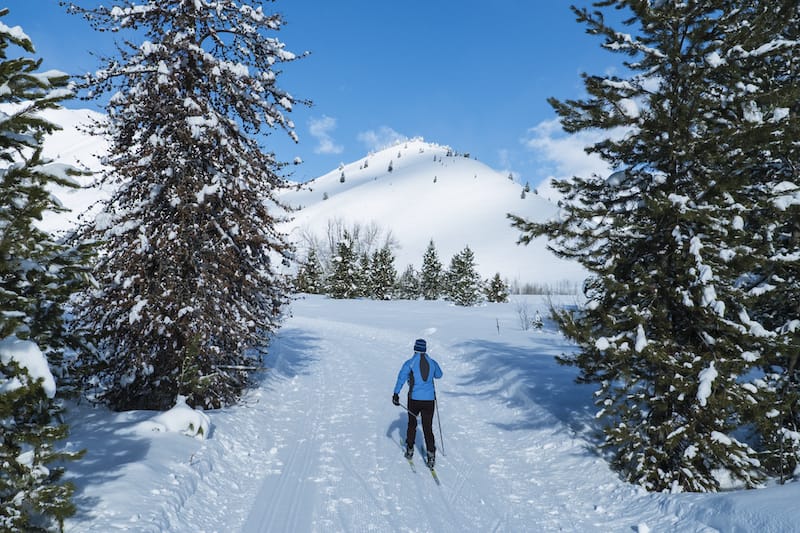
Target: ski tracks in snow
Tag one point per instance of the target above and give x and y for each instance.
(343, 469)
(331, 473)
(341, 466)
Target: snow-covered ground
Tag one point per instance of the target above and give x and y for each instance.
(316, 446)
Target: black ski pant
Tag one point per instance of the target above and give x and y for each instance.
(426, 408)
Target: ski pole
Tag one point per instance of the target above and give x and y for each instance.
(407, 409)
(439, 420)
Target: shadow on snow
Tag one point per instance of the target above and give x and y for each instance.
(291, 353)
(530, 381)
(109, 446)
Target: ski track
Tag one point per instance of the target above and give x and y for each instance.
(324, 445)
(346, 455)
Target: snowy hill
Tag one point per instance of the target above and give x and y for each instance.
(428, 194)
(72, 145)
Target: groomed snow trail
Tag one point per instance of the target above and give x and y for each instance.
(315, 446)
(510, 458)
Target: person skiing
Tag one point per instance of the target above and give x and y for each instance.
(419, 372)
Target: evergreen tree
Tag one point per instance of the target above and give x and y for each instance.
(189, 290)
(383, 274)
(408, 284)
(431, 276)
(38, 274)
(764, 86)
(364, 276)
(310, 276)
(497, 289)
(671, 238)
(464, 283)
(343, 283)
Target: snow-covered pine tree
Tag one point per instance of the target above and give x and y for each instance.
(408, 284)
(383, 274)
(38, 274)
(343, 283)
(310, 275)
(364, 276)
(497, 289)
(431, 275)
(189, 289)
(761, 67)
(666, 333)
(464, 285)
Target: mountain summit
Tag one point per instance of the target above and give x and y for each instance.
(421, 191)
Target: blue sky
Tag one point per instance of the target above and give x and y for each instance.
(470, 74)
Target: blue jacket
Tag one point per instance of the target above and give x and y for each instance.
(419, 387)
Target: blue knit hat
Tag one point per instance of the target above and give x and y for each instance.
(420, 346)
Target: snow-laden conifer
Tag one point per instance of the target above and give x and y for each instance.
(383, 275)
(431, 275)
(408, 284)
(464, 286)
(310, 275)
(38, 274)
(343, 282)
(362, 273)
(761, 66)
(667, 333)
(188, 285)
(497, 289)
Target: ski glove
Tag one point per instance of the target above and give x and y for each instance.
(395, 399)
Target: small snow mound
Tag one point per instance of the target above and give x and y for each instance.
(180, 419)
(642, 528)
(429, 331)
(27, 355)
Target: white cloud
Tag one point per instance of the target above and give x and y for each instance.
(321, 129)
(562, 156)
(377, 140)
(504, 157)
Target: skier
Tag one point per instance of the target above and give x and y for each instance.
(419, 372)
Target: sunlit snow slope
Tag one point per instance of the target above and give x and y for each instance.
(455, 200)
(428, 194)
